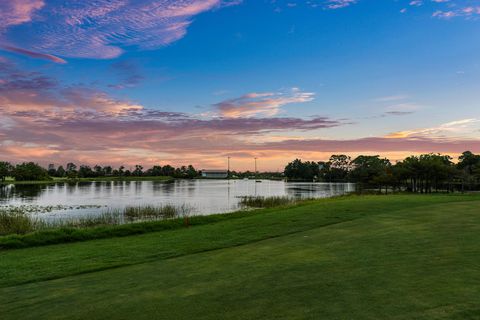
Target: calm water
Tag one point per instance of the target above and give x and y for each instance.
(203, 196)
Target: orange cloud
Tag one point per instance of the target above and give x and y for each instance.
(45, 122)
(261, 104)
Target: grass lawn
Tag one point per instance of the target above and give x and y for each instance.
(371, 257)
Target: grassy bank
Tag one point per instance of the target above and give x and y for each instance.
(370, 257)
(99, 179)
(83, 232)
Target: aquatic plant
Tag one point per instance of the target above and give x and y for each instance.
(266, 202)
(110, 217)
(32, 208)
(15, 222)
(150, 212)
(20, 220)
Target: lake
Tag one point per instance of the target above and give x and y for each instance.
(201, 196)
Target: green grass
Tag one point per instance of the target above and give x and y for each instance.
(101, 227)
(100, 179)
(371, 257)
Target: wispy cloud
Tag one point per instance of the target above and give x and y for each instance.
(397, 105)
(45, 121)
(42, 119)
(391, 98)
(443, 9)
(15, 12)
(462, 11)
(99, 29)
(261, 104)
(399, 113)
(458, 129)
(338, 4)
(128, 72)
(33, 54)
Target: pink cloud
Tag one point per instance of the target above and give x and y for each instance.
(265, 104)
(34, 54)
(103, 29)
(15, 12)
(43, 121)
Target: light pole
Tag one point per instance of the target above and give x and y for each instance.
(255, 167)
(228, 170)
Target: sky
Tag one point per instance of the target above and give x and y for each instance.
(196, 81)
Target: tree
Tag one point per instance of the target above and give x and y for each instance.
(5, 170)
(191, 172)
(426, 172)
(60, 172)
(338, 168)
(368, 170)
(72, 171)
(298, 170)
(468, 162)
(138, 172)
(155, 171)
(120, 171)
(469, 167)
(51, 170)
(168, 171)
(30, 171)
(86, 172)
(98, 171)
(107, 170)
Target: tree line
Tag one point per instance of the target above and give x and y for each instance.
(30, 171)
(425, 173)
(421, 174)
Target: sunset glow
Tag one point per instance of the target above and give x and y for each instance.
(196, 81)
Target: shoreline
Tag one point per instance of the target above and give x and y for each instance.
(75, 234)
(100, 179)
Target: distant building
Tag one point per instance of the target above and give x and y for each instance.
(215, 174)
(51, 167)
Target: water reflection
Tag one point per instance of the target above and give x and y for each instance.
(204, 196)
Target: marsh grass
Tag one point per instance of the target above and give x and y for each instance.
(18, 221)
(266, 202)
(15, 223)
(154, 212)
(106, 218)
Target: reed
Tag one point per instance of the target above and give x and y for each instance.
(266, 202)
(17, 220)
(15, 223)
(151, 212)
